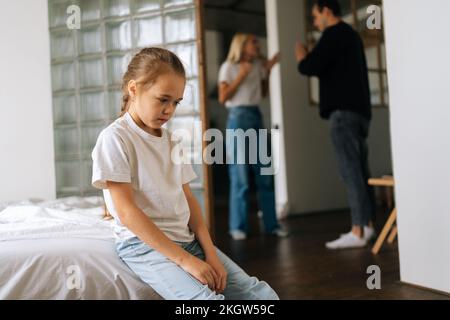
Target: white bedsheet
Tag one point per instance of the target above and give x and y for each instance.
(62, 218)
(62, 249)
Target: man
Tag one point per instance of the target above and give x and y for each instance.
(339, 61)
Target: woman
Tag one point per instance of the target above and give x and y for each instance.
(243, 82)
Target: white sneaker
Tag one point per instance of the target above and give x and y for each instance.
(369, 233)
(347, 241)
(238, 235)
(279, 232)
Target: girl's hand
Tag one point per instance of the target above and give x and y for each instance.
(201, 271)
(218, 267)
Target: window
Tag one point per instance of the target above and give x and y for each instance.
(87, 68)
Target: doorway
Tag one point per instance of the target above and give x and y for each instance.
(222, 19)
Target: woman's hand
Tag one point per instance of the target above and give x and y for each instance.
(244, 69)
(218, 267)
(272, 62)
(228, 90)
(201, 271)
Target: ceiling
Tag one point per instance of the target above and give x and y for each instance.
(249, 6)
(230, 16)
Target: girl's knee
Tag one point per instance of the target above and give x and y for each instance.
(254, 289)
(261, 289)
(266, 292)
(205, 293)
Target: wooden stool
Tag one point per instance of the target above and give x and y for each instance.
(386, 181)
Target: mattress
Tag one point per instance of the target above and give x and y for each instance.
(63, 249)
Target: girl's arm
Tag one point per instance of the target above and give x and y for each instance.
(143, 227)
(198, 226)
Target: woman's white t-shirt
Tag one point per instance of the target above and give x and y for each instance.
(126, 153)
(249, 92)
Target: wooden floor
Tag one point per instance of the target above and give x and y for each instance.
(300, 267)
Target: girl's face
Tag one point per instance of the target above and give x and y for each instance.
(252, 47)
(154, 106)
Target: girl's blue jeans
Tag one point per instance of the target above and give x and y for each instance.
(171, 282)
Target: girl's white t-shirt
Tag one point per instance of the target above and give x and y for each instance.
(126, 153)
(249, 92)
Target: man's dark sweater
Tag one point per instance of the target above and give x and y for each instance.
(340, 63)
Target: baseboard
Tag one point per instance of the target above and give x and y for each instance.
(447, 294)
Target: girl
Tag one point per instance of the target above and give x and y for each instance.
(243, 81)
(161, 233)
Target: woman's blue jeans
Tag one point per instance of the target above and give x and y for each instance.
(245, 118)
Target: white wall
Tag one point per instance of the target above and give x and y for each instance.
(26, 133)
(419, 77)
(311, 182)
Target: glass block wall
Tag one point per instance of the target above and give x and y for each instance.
(87, 67)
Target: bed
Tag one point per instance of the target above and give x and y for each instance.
(63, 249)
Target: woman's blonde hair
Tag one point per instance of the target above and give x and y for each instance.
(145, 67)
(237, 47)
